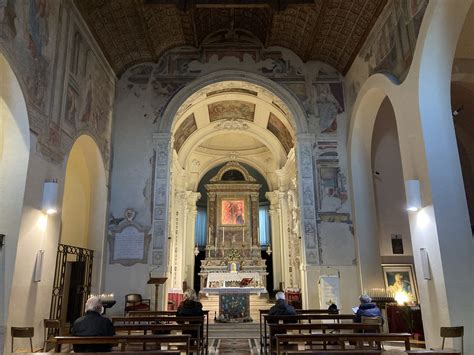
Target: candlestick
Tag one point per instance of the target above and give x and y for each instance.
(222, 235)
(242, 235)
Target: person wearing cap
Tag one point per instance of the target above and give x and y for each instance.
(366, 309)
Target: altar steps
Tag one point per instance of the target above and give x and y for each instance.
(211, 303)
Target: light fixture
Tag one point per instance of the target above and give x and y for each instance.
(2, 240)
(269, 249)
(412, 190)
(196, 250)
(50, 197)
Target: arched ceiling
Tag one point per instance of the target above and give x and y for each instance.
(232, 120)
(135, 31)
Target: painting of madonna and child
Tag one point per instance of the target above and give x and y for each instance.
(233, 212)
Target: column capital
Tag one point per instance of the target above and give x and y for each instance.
(272, 196)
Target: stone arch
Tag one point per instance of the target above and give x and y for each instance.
(294, 106)
(14, 157)
(84, 205)
(373, 93)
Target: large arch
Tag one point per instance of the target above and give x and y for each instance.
(429, 154)
(84, 207)
(14, 156)
(284, 105)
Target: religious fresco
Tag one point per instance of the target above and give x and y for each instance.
(390, 45)
(231, 109)
(183, 132)
(330, 103)
(29, 38)
(233, 212)
(280, 131)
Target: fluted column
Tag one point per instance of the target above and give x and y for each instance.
(284, 236)
(276, 245)
(189, 235)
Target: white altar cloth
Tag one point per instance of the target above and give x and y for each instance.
(219, 279)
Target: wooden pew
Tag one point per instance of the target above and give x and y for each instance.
(364, 352)
(173, 313)
(299, 318)
(124, 340)
(308, 328)
(264, 312)
(166, 320)
(163, 329)
(283, 340)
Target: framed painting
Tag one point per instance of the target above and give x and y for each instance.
(233, 212)
(400, 280)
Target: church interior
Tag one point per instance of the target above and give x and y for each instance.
(322, 148)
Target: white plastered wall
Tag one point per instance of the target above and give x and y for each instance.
(14, 155)
(429, 153)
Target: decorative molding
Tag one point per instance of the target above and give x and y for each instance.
(235, 124)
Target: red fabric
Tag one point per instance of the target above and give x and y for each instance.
(174, 299)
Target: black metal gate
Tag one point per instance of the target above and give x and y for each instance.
(81, 260)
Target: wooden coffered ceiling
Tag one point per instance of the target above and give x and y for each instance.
(134, 31)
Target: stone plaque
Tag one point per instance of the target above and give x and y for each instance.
(128, 242)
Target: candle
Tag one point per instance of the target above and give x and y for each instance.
(222, 235)
(242, 235)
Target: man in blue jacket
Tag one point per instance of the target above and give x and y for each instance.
(367, 309)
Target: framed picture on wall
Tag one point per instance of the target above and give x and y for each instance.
(400, 280)
(233, 212)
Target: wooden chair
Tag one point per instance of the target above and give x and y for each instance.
(23, 332)
(135, 302)
(452, 332)
(50, 324)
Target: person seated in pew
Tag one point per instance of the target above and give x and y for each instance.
(93, 324)
(281, 308)
(190, 307)
(367, 309)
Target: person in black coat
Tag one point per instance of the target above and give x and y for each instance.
(93, 324)
(190, 307)
(281, 308)
(367, 309)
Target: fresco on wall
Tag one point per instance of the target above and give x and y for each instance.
(330, 103)
(315, 86)
(231, 109)
(30, 36)
(186, 128)
(390, 45)
(281, 132)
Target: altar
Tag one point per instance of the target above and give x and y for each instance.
(233, 268)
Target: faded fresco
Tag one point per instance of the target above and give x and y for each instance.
(316, 86)
(186, 128)
(281, 132)
(30, 37)
(231, 109)
(390, 45)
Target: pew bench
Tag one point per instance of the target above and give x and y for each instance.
(181, 341)
(310, 328)
(299, 318)
(287, 342)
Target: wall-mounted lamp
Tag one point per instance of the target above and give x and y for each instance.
(49, 204)
(413, 192)
(196, 250)
(2, 240)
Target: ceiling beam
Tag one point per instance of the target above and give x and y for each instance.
(184, 5)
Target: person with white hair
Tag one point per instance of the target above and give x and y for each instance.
(281, 307)
(366, 309)
(93, 324)
(190, 307)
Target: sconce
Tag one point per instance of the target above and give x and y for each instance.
(269, 249)
(2, 240)
(196, 250)
(49, 204)
(413, 193)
